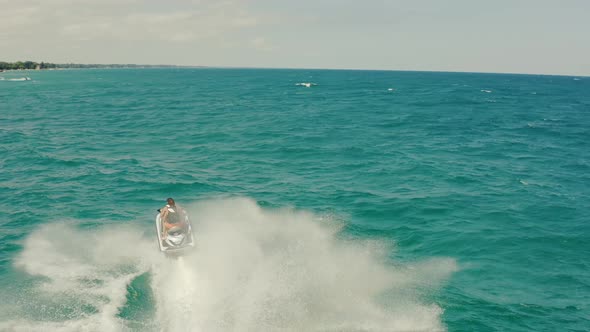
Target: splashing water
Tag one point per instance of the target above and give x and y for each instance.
(252, 270)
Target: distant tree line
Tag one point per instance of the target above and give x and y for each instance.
(46, 65)
(18, 65)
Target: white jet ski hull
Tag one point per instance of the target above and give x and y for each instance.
(165, 246)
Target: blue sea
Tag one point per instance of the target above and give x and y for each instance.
(321, 200)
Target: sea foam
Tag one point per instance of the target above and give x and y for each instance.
(253, 269)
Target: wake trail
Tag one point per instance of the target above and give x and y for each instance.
(252, 270)
(175, 289)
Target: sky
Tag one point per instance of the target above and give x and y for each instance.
(504, 36)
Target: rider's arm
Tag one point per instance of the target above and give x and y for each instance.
(164, 214)
(163, 219)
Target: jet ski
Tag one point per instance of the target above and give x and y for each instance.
(178, 238)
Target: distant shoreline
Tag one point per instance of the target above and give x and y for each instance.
(82, 68)
(70, 66)
(31, 65)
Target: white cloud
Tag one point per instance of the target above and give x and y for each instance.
(122, 19)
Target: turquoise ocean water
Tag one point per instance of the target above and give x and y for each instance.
(371, 201)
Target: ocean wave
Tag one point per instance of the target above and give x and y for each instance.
(19, 79)
(306, 84)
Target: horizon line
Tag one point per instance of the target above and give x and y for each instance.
(299, 68)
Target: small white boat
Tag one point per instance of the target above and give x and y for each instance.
(178, 239)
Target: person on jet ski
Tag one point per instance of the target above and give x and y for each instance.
(172, 215)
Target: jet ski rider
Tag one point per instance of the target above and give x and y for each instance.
(171, 215)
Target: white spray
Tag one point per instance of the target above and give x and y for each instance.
(252, 270)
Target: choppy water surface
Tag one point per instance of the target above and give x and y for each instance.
(362, 201)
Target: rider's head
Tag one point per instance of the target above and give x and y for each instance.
(170, 202)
